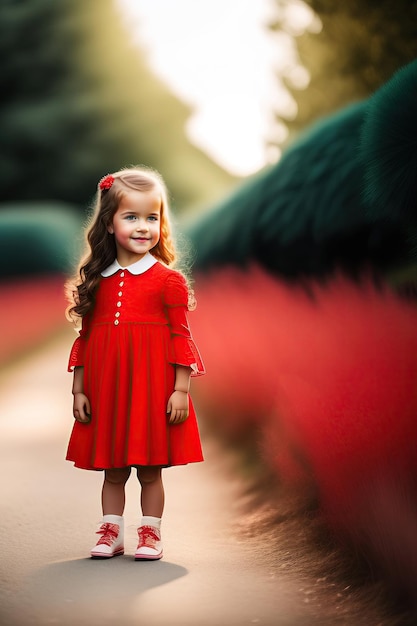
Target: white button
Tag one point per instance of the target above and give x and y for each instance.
(122, 274)
(121, 283)
(119, 304)
(117, 314)
(120, 294)
(116, 322)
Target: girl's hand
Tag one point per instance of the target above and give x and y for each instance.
(81, 408)
(178, 407)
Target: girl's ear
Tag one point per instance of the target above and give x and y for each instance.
(110, 229)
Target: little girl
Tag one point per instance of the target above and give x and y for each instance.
(134, 356)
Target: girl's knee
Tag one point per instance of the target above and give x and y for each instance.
(148, 474)
(117, 476)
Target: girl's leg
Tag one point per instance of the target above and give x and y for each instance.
(152, 496)
(113, 492)
(152, 501)
(111, 531)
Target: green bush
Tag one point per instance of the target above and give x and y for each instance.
(38, 238)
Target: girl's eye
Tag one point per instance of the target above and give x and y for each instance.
(130, 217)
(153, 218)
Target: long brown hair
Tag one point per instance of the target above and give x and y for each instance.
(100, 244)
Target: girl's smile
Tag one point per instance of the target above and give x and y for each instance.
(136, 225)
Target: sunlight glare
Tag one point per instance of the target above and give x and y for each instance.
(222, 61)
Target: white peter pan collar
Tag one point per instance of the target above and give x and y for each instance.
(139, 267)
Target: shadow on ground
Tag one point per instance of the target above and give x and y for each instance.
(74, 590)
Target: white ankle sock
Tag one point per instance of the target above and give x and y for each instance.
(113, 519)
(148, 520)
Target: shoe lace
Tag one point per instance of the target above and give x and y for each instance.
(148, 536)
(109, 533)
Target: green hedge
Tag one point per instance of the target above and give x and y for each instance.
(38, 238)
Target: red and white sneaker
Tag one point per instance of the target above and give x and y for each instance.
(149, 546)
(111, 541)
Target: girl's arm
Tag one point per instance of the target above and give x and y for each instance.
(183, 350)
(178, 402)
(81, 404)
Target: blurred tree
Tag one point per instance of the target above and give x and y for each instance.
(361, 44)
(78, 101)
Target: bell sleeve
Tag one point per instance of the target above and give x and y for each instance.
(76, 358)
(183, 350)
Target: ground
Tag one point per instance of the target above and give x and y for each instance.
(221, 565)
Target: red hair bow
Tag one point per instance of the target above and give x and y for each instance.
(106, 182)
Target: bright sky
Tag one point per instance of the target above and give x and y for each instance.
(217, 56)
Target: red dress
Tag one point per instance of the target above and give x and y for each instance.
(129, 345)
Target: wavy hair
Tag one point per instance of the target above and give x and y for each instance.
(100, 246)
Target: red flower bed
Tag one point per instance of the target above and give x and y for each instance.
(324, 385)
(32, 309)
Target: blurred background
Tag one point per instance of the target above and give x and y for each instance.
(209, 93)
(227, 99)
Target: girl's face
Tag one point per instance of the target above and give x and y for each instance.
(136, 225)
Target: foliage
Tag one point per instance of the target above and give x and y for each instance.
(78, 101)
(342, 197)
(360, 46)
(38, 238)
(304, 216)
